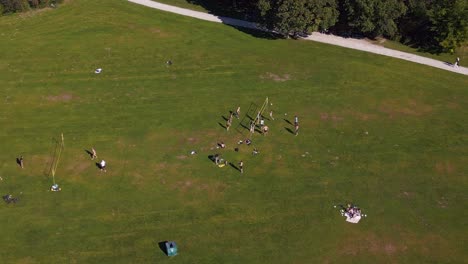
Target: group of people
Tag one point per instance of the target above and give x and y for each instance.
(101, 164)
(351, 211)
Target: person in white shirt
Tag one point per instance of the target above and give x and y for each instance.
(102, 165)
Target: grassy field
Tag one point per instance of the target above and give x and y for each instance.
(385, 134)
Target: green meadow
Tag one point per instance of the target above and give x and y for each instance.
(384, 134)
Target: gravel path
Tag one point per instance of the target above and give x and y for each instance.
(356, 44)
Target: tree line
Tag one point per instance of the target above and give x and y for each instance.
(431, 25)
(13, 6)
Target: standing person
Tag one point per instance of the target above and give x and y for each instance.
(102, 165)
(262, 123)
(258, 117)
(228, 125)
(20, 161)
(265, 130)
(93, 153)
(457, 62)
(238, 112)
(252, 127)
(230, 117)
(241, 166)
(271, 115)
(296, 120)
(296, 128)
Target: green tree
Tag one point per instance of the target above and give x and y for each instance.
(374, 17)
(292, 17)
(449, 23)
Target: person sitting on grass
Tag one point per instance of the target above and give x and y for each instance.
(222, 145)
(55, 188)
(255, 151)
(248, 142)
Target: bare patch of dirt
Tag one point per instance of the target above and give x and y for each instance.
(181, 157)
(275, 77)
(444, 167)
(442, 202)
(406, 194)
(213, 189)
(66, 97)
(160, 166)
(363, 116)
(394, 108)
(138, 179)
(192, 140)
(157, 31)
(330, 117)
(79, 167)
(371, 243)
(453, 105)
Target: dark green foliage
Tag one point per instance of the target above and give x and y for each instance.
(374, 17)
(291, 17)
(449, 19)
(435, 26)
(13, 6)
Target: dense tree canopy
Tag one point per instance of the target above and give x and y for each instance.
(12, 6)
(374, 17)
(291, 17)
(449, 22)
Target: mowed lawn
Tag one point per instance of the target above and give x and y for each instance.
(387, 135)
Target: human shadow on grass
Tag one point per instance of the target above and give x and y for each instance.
(89, 153)
(99, 166)
(162, 246)
(289, 130)
(213, 158)
(223, 126)
(234, 166)
(287, 121)
(19, 162)
(244, 126)
(225, 118)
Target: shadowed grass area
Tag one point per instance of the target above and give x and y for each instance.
(385, 134)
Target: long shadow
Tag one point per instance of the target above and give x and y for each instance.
(287, 121)
(49, 165)
(235, 13)
(211, 157)
(242, 125)
(89, 153)
(225, 118)
(162, 246)
(289, 130)
(223, 126)
(18, 161)
(234, 166)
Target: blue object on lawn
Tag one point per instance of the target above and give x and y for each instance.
(171, 248)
